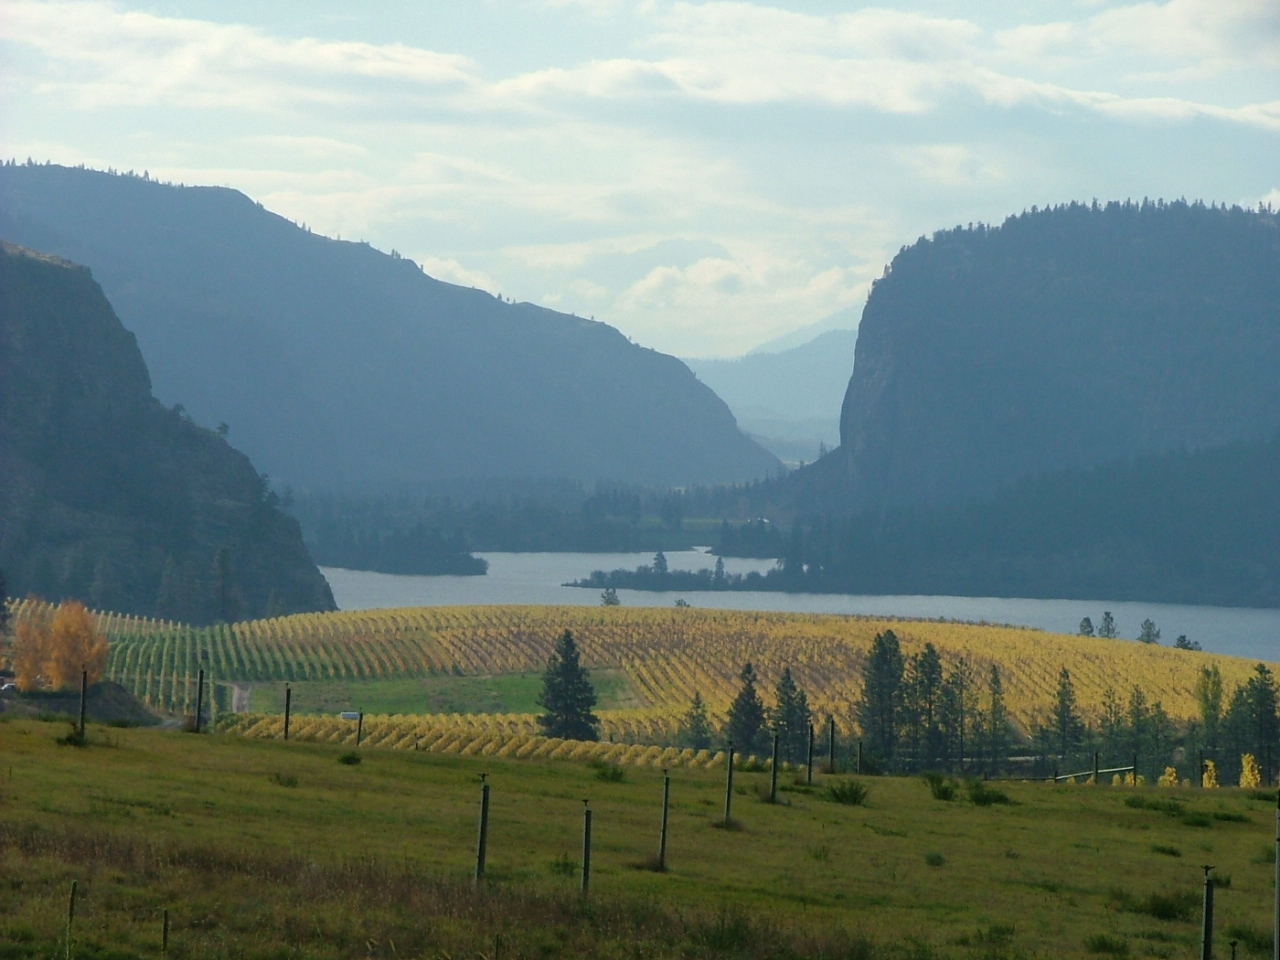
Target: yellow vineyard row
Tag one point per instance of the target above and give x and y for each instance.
(467, 735)
(667, 654)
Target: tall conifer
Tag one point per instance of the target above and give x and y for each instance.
(567, 695)
(746, 715)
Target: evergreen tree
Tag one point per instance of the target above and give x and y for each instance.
(659, 563)
(1114, 730)
(957, 707)
(790, 718)
(880, 707)
(1068, 729)
(695, 729)
(1149, 633)
(1086, 627)
(1182, 643)
(1252, 725)
(921, 698)
(997, 721)
(1209, 700)
(1140, 730)
(746, 715)
(610, 598)
(718, 577)
(567, 695)
(1108, 627)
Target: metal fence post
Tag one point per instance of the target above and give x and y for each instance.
(359, 728)
(288, 705)
(1206, 931)
(199, 699)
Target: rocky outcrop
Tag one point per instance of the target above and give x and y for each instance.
(108, 497)
(1064, 338)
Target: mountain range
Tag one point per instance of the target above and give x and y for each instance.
(341, 368)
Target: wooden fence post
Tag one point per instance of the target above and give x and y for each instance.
(71, 915)
(666, 804)
(482, 841)
(586, 847)
(1206, 930)
(831, 744)
(288, 705)
(359, 727)
(199, 699)
(728, 789)
(84, 697)
(773, 772)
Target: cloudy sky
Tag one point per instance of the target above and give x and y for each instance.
(703, 176)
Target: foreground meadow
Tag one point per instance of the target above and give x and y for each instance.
(262, 848)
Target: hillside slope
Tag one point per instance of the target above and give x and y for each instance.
(342, 368)
(107, 496)
(1064, 338)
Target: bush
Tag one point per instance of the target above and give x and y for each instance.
(1197, 820)
(350, 759)
(1229, 816)
(1102, 943)
(1167, 851)
(1138, 802)
(853, 793)
(1178, 905)
(562, 866)
(984, 795)
(608, 772)
(284, 779)
(940, 786)
(934, 859)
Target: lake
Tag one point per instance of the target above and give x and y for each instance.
(538, 578)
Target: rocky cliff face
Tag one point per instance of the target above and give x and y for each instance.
(341, 368)
(1064, 338)
(107, 496)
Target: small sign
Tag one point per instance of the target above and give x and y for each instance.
(350, 715)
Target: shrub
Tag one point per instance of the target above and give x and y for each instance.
(1103, 943)
(608, 772)
(1138, 802)
(1230, 816)
(284, 779)
(1167, 851)
(850, 792)
(350, 759)
(1178, 905)
(984, 795)
(940, 786)
(1197, 820)
(934, 859)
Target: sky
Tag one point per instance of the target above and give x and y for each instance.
(703, 176)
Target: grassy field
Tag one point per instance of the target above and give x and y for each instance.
(269, 849)
(500, 693)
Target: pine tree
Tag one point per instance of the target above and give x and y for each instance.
(997, 721)
(1108, 627)
(1086, 627)
(695, 729)
(567, 695)
(1067, 726)
(659, 565)
(790, 718)
(881, 704)
(1209, 700)
(746, 715)
(1149, 633)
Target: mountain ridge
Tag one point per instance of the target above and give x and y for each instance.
(340, 367)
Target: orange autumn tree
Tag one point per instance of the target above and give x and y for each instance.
(52, 652)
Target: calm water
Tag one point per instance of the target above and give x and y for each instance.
(537, 578)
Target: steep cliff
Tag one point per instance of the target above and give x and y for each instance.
(345, 369)
(1062, 339)
(107, 496)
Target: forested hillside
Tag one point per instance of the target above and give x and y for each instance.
(1063, 338)
(345, 369)
(108, 497)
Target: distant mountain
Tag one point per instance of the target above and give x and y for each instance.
(787, 398)
(846, 319)
(345, 369)
(1064, 338)
(108, 497)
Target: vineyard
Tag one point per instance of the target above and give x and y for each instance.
(666, 654)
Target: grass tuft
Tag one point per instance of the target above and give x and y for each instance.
(1105, 943)
(1178, 905)
(350, 759)
(934, 859)
(1167, 851)
(940, 787)
(984, 795)
(284, 779)
(608, 772)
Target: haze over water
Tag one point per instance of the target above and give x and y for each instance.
(539, 577)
